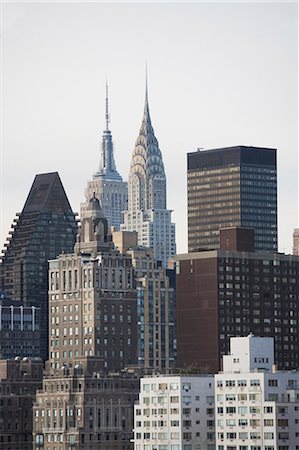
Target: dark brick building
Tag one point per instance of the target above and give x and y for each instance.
(19, 380)
(225, 293)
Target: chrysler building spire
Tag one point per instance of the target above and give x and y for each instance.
(146, 88)
(147, 213)
(147, 180)
(146, 127)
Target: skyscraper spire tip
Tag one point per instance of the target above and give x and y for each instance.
(107, 116)
(146, 106)
(146, 86)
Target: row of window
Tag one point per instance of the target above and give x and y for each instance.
(273, 382)
(245, 435)
(162, 436)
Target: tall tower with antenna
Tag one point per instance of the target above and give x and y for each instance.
(147, 210)
(107, 184)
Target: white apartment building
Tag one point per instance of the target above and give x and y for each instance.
(256, 407)
(175, 413)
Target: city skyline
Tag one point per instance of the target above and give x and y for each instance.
(243, 84)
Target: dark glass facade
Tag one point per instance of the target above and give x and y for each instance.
(19, 331)
(45, 228)
(232, 187)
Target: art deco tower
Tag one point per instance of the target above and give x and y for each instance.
(147, 212)
(107, 183)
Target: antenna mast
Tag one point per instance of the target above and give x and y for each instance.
(107, 116)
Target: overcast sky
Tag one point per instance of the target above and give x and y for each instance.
(220, 74)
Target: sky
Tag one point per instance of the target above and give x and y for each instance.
(219, 74)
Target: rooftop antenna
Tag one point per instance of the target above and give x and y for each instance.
(107, 116)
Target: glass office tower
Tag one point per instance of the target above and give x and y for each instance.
(45, 228)
(232, 187)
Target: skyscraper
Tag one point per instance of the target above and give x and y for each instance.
(107, 184)
(45, 228)
(232, 187)
(147, 212)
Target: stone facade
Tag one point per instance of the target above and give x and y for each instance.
(80, 408)
(92, 299)
(296, 242)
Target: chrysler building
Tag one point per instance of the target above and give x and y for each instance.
(147, 211)
(107, 184)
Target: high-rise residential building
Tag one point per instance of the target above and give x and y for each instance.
(175, 413)
(19, 380)
(81, 408)
(92, 299)
(107, 183)
(232, 187)
(156, 314)
(225, 292)
(45, 228)
(296, 242)
(256, 406)
(147, 211)
(155, 287)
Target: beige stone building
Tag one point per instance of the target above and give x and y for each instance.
(92, 300)
(296, 242)
(80, 408)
